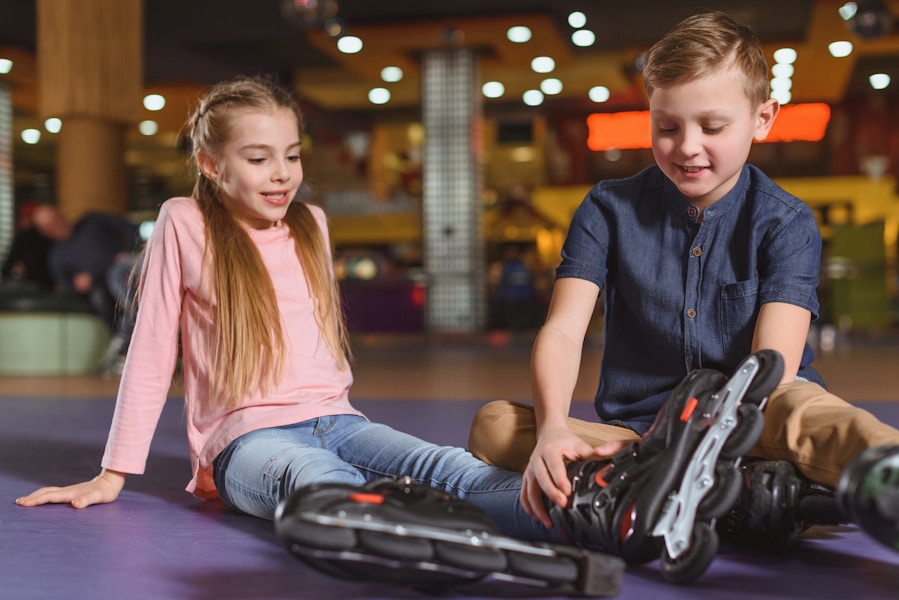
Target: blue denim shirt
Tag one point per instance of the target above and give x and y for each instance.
(680, 294)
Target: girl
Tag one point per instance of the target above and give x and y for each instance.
(243, 274)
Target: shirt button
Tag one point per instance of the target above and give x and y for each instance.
(691, 312)
(697, 251)
(692, 211)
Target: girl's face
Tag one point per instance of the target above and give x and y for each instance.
(702, 130)
(259, 170)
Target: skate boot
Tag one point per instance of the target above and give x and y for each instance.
(776, 504)
(661, 494)
(398, 532)
(868, 493)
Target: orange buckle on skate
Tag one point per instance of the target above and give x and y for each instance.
(363, 498)
(599, 478)
(689, 407)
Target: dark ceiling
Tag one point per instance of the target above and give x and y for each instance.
(209, 40)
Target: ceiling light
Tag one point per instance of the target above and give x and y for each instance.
(577, 19)
(781, 84)
(782, 70)
(551, 86)
(848, 10)
(583, 38)
(840, 49)
(31, 136)
(154, 102)
(53, 125)
(519, 34)
(333, 27)
(391, 74)
(785, 55)
(782, 96)
(379, 95)
(879, 81)
(543, 64)
(349, 44)
(493, 89)
(599, 94)
(5, 65)
(148, 127)
(533, 97)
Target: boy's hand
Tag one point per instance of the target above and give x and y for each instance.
(102, 489)
(556, 448)
(546, 472)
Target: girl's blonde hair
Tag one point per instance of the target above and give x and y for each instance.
(701, 44)
(249, 343)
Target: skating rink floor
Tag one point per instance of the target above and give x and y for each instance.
(158, 542)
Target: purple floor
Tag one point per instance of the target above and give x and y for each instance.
(157, 541)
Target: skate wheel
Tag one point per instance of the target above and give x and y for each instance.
(692, 563)
(551, 569)
(318, 536)
(771, 369)
(394, 546)
(470, 557)
(724, 492)
(746, 434)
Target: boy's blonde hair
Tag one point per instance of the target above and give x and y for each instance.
(701, 44)
(249, 345)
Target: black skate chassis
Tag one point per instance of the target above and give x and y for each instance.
(398, 532)
(662, 494)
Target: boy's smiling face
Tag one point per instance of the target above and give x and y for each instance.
(702, 130)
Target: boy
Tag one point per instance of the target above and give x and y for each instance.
(703, 259)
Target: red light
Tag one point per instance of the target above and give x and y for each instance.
(628, 130)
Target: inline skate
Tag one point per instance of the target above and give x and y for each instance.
(662, 494)
(868, 493)
(399, 532)
(775, 505)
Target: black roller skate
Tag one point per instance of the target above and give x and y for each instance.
(661, 494)
(397, 532)
(868, 493)
(775, 505)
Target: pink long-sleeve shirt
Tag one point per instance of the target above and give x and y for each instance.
(176, 298)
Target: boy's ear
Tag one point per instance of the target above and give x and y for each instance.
(766, 117)
(207, 165)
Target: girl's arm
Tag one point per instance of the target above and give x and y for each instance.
(103, 488)
(783, 327)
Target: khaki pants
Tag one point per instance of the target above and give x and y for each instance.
(804, 424)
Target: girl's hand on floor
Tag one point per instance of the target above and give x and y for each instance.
(102, 489)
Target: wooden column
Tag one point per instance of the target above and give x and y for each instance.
(90, 75)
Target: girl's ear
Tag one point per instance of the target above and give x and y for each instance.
(766, 117)
(208, 166)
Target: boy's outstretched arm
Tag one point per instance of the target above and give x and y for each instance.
(102, 489)
(555, 363)
(783, 327)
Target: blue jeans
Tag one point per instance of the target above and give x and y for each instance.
(261, 468)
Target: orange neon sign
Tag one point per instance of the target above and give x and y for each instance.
(627, 130)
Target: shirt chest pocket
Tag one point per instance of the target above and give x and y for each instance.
(737, 313)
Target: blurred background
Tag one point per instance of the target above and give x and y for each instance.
(449, 142)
